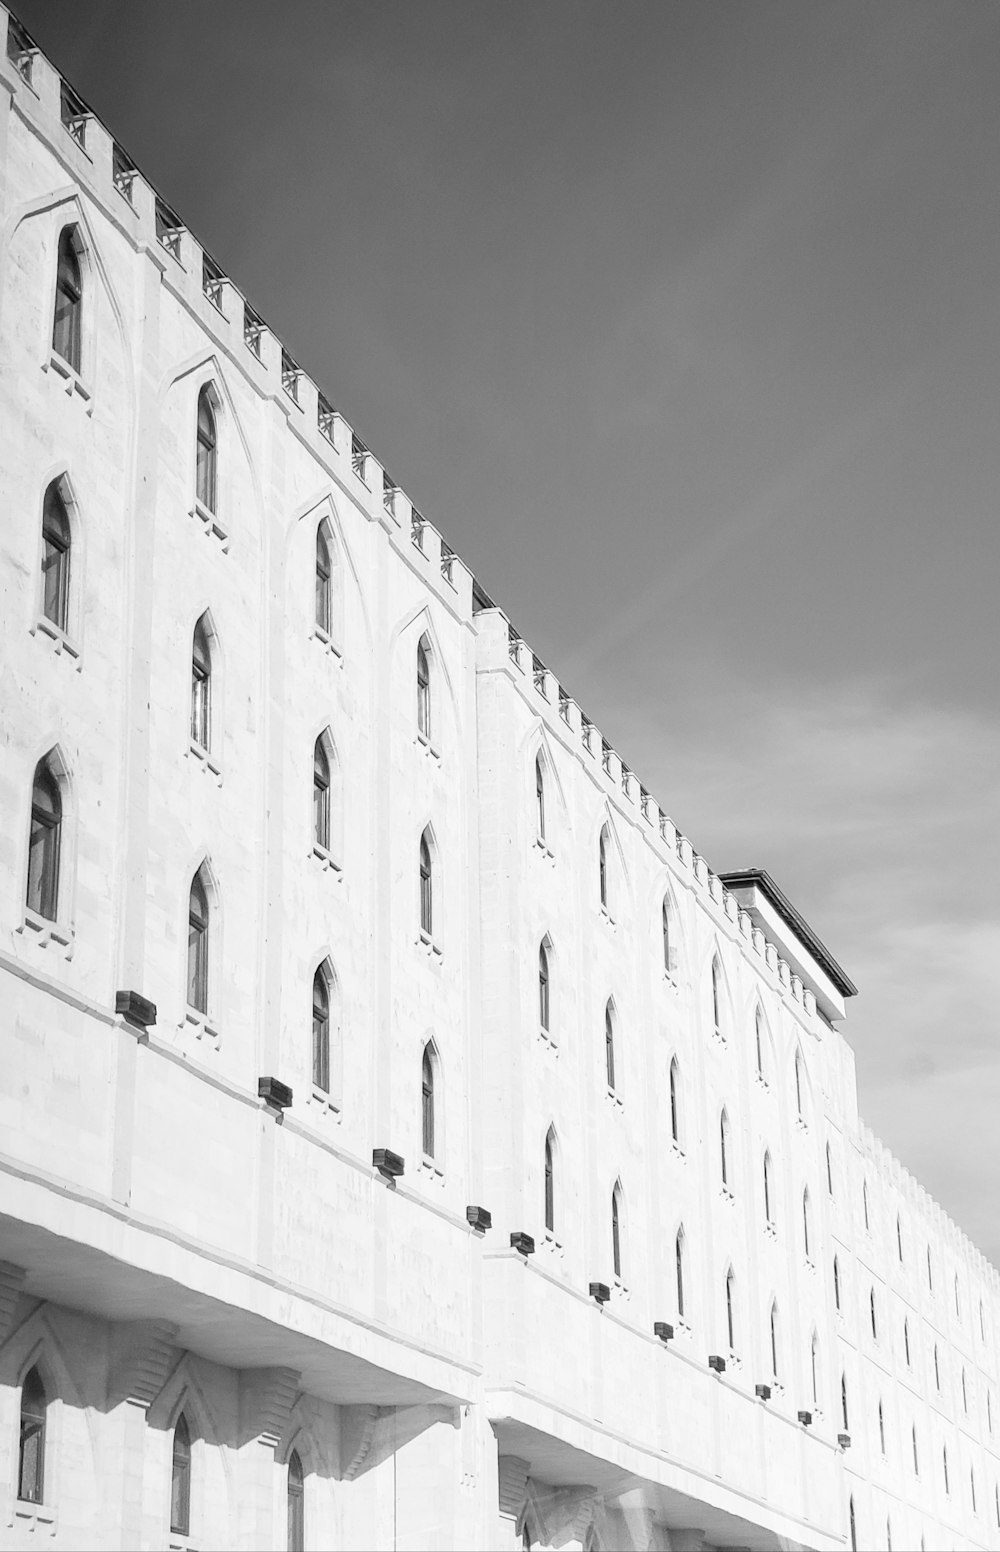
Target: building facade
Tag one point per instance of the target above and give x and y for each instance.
(405, 1139)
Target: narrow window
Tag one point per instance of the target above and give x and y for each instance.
(899, 1237)
(829, 1171)
(31, 1458)
(427, 1101)
(731, 1309)
(679, 1265)
(423, 690)
(55, 557)
(916, 1457)
(944, 1460)
(864, 1203)
(814, 1367)
(836, 1282)
(66, 323)
(881, 1428)
(758, 1033)
(198, 925)
(805, 1222)
(717, 998)
(324, 579)
(906, 1340)
(426, 889)
(972, 1487)
(543, 987)
(798, 1086)
(675, 1116)
(44, 845)
(609, 1045)
(937, 1371)
(965, 1399)
(321, 1032)
(774, 1341)
(888, 1534)
(207, 455)
(989, 1412)
(724, 1148)
(201, 685)
(321, 795)
(616, 1230)
(602, 864)
(539, 800)
(930, 1275)
(854, 1527)
(871, 1306)
(768, 1202)
(843, 1402)
(667, 947)
(180, 1482)
(958, 1308)
(982, 1323)
(550, 1189)
(296, 1505)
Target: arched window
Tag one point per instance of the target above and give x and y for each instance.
(45, 842)
(864, 1203)
(930, 1275)
(201, 685)
(843, 1402)
(296, 1504)
(972, 1487)
(916, 1457)
(427, 1101)
(888, 1534)
(937, 1371)
(871, 1307)
(321, 1032)
(982, 1323)
(68, 314)
(759, 1040)
(56, 544)
(616, 1228)
(426, 889)
(180, 1481)
(989, 1412)
(958, 1307)
(805, 1223)
(854, 1526)
(836, 1282)
(774, 1341)
(324, 578)
(944, 1462)
(799, 1088)
(198, 943)
(550, 1184)
(965, 1399)
(539, 799)
(829, 1171)
(717, 998)
(543, 987)
(602, 865)
(609, 1043)
(321, 795)
(899, 1237)
(814, 1367)
(668, 948)
(31, 1456)
(724, 1150)
(206, 473)
(768, 1192)
(679, 1266)
(906, 1340)
(731, 1309)
(424, 689)
(996, 1500)
(675, 1101)
(881, 1428)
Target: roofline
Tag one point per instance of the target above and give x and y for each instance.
(799, 925)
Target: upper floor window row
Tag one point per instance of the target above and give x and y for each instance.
(67, 320)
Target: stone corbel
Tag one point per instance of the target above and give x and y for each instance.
(143, 1352)
(266, 1399)
(370, 1434)
(558, 1514)
(513, 1479)
(11, 1283)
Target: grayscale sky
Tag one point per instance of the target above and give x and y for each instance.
(680, 321)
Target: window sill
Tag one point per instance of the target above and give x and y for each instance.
(35, 1516)
(321, 1100)
(211, 525)
(678, 1151)
(621, 1290)
(320, 634)
(548, 1039)
(324, 859)
(427, 943)
(58, 637)
(72, 381)
(542, 845)
(728, 1194)
(198, 1024)
(552, 1246)
(607, 916)
(47, 933)
(428, 748)
(670, 979)
(770, 1229)
(762, 1082)
(198, 752)
(801, 1124)
(615, 1097)
(431, 1169)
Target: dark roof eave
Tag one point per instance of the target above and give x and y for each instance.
(799, 925)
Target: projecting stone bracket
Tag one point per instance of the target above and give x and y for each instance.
(370, 1434)
(143, 1352)
(266, 1400)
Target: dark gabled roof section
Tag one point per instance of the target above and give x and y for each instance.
(786, 910)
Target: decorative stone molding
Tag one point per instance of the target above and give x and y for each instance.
(11, 1282)
(370, 1434)
(142, 1354)
(266, 1398)
(513, 1479)
(558, 1514)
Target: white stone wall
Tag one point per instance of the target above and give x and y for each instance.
(168, 1240)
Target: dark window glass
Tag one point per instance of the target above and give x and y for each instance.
(296, 1505)
(716, 998)
(55, 557)
(730, 1310)
(321, 1033)
(426, 889)
(321, 796)
(843, 1401)
(854, 1529)
(679, 1261)
(675, 1130)
(609, 1045)
(423, 690)
(616, 1233)
(774, 1341)
(31, 1457)
(836, 1282)
(69, 301)
(44, 843)
(539, 800)
(198, 945)
(724, 1147)
(602, 863)
(767, 1187)
(550, 1201)
(207, 456)
(427, 1102)
(324, 574)
(667, 962)
(543, 987)
(201, 686)
(180, 1481)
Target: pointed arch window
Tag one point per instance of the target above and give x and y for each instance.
(602, 865)
(888, 1534)
(609, 1044)
(321, 795)
(679, 1269)
(853, 1525)
(424, 689)
(814, 1367)
(295, 1492)
(864, 1204)
(843, 1402)
(68, 315)
(829, 1171)
(937, 1371)
(426, 888)
(836, 1282)
(759, 1041)
(544, 988)
(428, 1107)
(724, 1150)
(944, 1462)
(550, 1184)
(675, 1101)
(180, 1480)
(881, 1428)
(916, 1457)
(616, 1229)
(206, 475)
(899, 1237)
(930, 1274)
(717, 998)
(806, 1245)
(871, 1308)
(45, 842)
(731, 1309)
(958, 1307)
(56, 545)
(539, 799)
(906, 1340)
(668, 947)
(799, 1094)
(198, 944)
(965, 1398)
(324, 578)
(31, 1453)
(972, 1487)
(201, 685)
(321, 1031)
(774, 1341)
(768, 1192)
